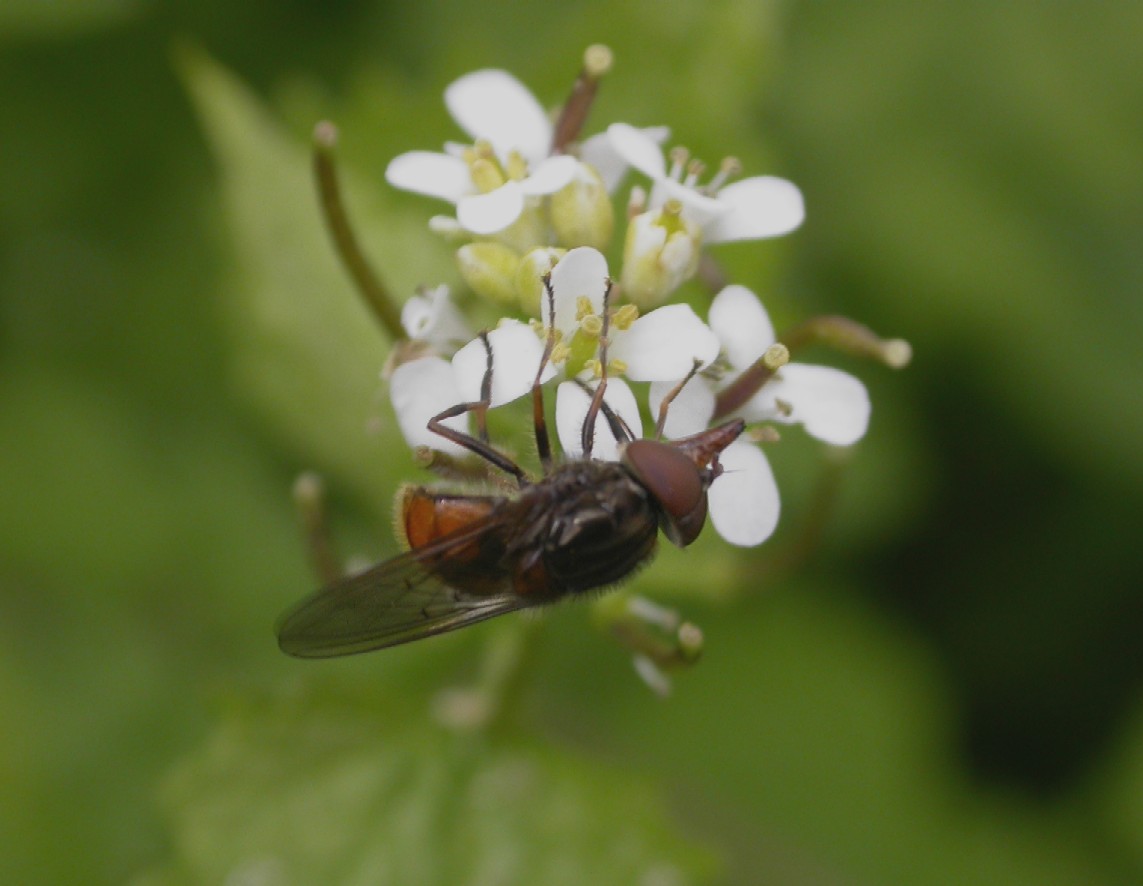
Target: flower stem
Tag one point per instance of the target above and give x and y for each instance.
(596, 62)
(848, 336)
(329, 189)
(732, 397)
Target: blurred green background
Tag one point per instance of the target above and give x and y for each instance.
(944, 689)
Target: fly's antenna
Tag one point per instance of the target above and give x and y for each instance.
(670, 398)
(588, 436)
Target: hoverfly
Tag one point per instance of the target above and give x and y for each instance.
(584, 525)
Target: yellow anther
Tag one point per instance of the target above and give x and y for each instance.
(560, 353)
(486, 175)
(516, 167)
(592, 325)
(583, 307)
(617, 367)
(624, 317)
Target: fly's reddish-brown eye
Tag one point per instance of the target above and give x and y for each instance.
(675, 482)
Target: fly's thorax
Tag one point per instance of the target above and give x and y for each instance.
(592, 524)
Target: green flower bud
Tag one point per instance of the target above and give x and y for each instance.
(490, 270)
(581, 211)
(530, 274)
(661, 252)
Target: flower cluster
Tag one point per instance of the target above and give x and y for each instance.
(533, 215)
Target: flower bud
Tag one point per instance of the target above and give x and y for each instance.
(529, 277)
(661, 253)
(581, 211)
(490, 270)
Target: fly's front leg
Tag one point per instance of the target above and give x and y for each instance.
(480, 444)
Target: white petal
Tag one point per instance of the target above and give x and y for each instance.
(582, 271)
(516, 353)
(599, 153)
(433, 318)
(760, 207)
(491, 212)
(435, 175)
(744, 502)
(690, 411)
(664, 344)
(572, 403)
(550, 175)
(420, 390)
(637, 149)
(495, 106)
(742, 325)
(832, 405)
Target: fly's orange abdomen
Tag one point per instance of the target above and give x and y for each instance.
(427, 516)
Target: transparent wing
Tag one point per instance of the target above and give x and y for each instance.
(388, 604)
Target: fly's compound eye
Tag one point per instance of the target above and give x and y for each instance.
(676, 484)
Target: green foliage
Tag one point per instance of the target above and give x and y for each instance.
(938, 686)
(319, 789)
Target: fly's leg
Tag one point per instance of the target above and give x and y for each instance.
(480, 444)
(620, 430)
(543, 442)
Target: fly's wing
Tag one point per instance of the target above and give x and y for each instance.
(388, 604)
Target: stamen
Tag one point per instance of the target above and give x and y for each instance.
(636, 202)
(583, 307)
(560, 352)
(486, 175)
(624, 317)
(616, 366)
(679, 156)
(730, 167)
(517, 167)
(694, 169)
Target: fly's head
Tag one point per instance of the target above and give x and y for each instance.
(678, 475)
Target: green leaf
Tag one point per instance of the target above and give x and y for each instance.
(306, 351)
(314, 791)
(64, 18)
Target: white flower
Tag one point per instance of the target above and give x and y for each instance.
(425, 386)
(748, 209)
(516, 353)
(420, 390)
(832, 405)
(659, 345)
(492, 182)
(431, 317)
(489, 188)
